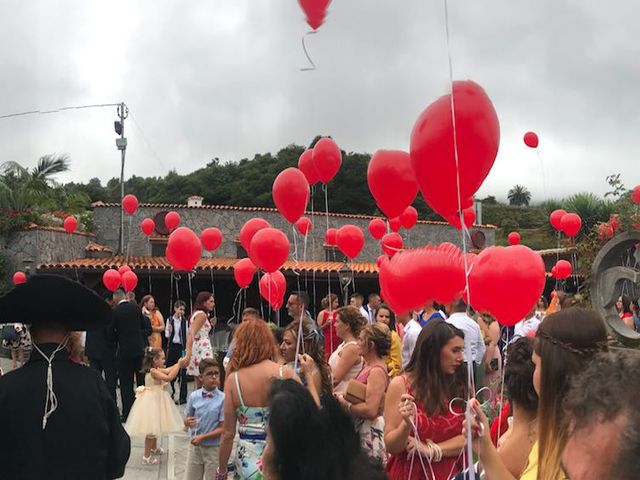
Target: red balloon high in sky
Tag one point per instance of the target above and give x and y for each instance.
(315, 11)
(531, 140)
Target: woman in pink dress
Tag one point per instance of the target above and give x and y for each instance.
(327, 322)
(421, 433)
(198, 343)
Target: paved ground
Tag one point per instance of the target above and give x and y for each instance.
(172, 464)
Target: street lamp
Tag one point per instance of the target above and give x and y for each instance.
(345, 274)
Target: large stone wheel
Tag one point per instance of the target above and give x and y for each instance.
(616, 270)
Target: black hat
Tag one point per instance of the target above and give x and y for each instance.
(46, 299)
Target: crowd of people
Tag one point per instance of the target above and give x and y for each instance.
(356, 391)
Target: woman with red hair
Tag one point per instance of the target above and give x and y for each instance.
(249, 376)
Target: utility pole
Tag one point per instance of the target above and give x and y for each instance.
(121, 144)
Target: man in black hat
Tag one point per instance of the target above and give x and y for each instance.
(129, 329)
(58, 419)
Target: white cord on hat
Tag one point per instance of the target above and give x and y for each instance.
(51, 402)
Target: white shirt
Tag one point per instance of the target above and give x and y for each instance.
(472, 336)
(365, 313)
(176, 330)
(371, 313)
(524, 327)
(411, 331)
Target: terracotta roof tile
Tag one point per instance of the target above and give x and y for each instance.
(43, 228)
(161, 263)
(179, 206)
(96, 247)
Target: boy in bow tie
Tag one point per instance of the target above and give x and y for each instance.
(204, 417)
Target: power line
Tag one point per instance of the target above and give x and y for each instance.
(61, 109)
(146, 141)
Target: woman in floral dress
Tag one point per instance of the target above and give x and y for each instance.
(198, 343)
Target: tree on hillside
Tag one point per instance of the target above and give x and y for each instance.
(519, 196)
(591, 208)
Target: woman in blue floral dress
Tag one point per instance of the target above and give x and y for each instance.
(250, 373)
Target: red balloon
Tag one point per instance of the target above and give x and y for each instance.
(330, 237)
(554, 272)
(392, 181)
(272, 287)
(571, 224)
(111, 279)
(563, 269)
(531, 140)
(183, 249)
(249, 229)
(243, 272)
(315, 11)
(129, 281)
(306, 166)
(635, 194)
(432, 146)
(269, 249)
(506, 282)
(327, 158)
(556, 218)
(409, 218)
(377, 228)
(468, 215)
(412, 277)
(123, 269)
(392, 243)
(172, 220)
(350, 240)
(211, 238)
(394, 224)
(304, 225)
(70, 224)
(130, 204)
(148, 226)
(291, 194)
(18, 278)
(514, 238)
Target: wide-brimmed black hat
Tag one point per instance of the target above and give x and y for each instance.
(46, 299)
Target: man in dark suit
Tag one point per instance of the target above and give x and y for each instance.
(176, 335)
(101, 352)
(129, 329)
(58, 418)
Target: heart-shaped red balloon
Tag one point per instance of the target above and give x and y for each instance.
(183, 249)
(327, 158)
(391, 243)
(243, 272)
(350, 240)
(432, 146)
(269, 249)
(377, 228)
(506, 282)
(391, 181)
(291, 194)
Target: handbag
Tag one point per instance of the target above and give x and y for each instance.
(356, 392)
(9, 333)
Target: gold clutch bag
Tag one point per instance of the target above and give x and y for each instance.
(356, 392)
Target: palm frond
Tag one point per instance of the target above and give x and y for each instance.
(49, 165)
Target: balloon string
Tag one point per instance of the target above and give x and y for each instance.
(189, 278)
(237, 301)
(213, 292)
(170, 310)
(313, 249)
(306, 53)
(170, 291)
(544, 178)
(128, 239)
(469, 439)
(325, 189)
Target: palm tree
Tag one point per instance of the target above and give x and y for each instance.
(591, 208)
(519, 196)
(21, 188)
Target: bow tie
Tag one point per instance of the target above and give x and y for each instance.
(206, 394)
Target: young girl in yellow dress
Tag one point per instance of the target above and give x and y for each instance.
(153, 413)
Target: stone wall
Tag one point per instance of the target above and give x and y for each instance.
(42, 245)
(229, 221)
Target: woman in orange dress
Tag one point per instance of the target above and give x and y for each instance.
(148, 306)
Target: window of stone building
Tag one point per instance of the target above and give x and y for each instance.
(332, 254)
(240, 251)
(158, 248)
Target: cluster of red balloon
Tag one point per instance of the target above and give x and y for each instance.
(123, 276)
(321, 163)
(568, 223)
(468, 216)
(315, 11)
(561, 270)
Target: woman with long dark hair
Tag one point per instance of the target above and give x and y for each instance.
(198, 343)
(327, 322)
(564, 343)
(393, 359)
(623, 305)
(422, 429)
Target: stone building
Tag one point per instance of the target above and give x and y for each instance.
(313, 266)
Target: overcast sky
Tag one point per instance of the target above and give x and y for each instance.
(222, 78)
